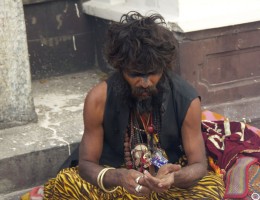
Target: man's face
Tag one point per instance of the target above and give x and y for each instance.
(143, 84)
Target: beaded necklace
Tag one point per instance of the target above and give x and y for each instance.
(141, 146)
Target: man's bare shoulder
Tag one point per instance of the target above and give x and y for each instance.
(97, 95)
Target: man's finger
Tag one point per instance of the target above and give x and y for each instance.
(150, 178)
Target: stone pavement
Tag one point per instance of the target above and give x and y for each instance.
(33, 153)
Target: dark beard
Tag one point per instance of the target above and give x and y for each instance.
(124, 92)
(144, 106)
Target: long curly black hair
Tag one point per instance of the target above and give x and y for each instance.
(140, 42)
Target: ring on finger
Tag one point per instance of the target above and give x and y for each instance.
(138, 188)
(137, 179)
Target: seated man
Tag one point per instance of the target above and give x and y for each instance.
(142, 126)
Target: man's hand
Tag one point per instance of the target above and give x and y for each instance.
(163, 180)
(130, 181)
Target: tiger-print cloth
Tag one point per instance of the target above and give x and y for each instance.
(68, 185)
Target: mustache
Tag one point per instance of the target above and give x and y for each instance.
(150, 90)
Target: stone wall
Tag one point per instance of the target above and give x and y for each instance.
(60, 37)
(223, 64)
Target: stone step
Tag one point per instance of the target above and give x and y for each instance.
(33, 153)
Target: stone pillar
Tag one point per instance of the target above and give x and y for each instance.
(16, 103)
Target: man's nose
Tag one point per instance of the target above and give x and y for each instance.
(145, 82)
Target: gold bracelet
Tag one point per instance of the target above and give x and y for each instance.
(100, 177)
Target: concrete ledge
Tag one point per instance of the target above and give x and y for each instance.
(33, 153)
(32, 168)
(246, 110)
(181, 16)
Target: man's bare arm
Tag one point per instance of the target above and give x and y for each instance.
(92, 140)
(194, 148)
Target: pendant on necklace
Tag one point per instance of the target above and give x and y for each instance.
(155, 138)
(141, 157)
(159, 158)
(150, 129)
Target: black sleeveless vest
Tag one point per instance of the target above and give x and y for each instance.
(176, 102)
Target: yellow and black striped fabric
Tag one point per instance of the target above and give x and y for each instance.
(68, 185)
